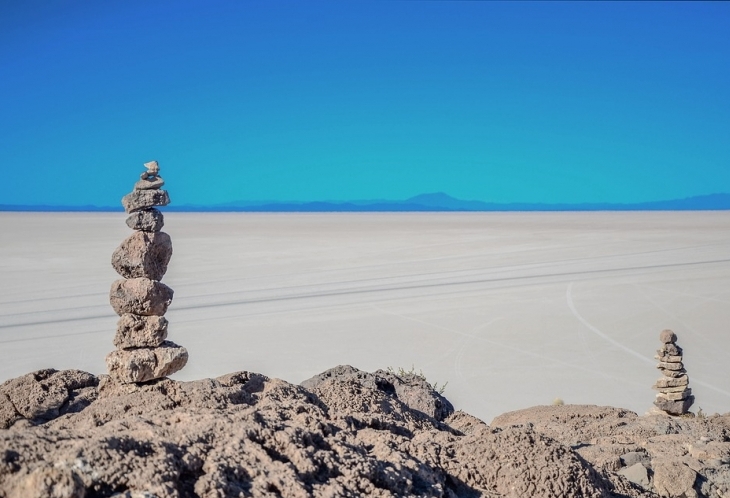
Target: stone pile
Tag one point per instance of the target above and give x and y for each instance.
(140, 299)
(675, 396)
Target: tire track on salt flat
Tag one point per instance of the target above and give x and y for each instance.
(547, 358)
(604, 336)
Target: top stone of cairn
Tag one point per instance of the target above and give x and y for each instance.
(667, 337)
(150, 179)
(147, 193)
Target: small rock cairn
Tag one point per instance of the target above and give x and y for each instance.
(140, 299)
(675, 396)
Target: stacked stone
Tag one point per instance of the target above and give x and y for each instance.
(140, 299)
(675, 396)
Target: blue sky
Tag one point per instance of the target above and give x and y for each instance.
(278, 100)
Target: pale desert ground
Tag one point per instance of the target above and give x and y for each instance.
(512, 309)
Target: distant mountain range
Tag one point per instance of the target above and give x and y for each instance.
(424, 202)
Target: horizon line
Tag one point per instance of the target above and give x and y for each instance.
(430, 202)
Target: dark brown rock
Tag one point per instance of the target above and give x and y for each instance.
(143, 254)
(674, 407)
(144, 364)
(147, 220)
(136, 331)
(140, 296)
(144, 199)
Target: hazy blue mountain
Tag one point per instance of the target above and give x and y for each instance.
(437, 201)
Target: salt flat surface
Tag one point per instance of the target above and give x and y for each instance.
(512, 309)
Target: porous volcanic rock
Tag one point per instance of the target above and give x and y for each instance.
(244, 434)
(140, 296)
(149, 220)
(136, 331)
(143, 254)
(143, 364)
(142, 258)
(411, 389)
(45, 394)
(684, 456)
(143, 199)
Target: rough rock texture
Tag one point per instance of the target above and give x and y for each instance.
(411, 389)
(666, 382)
(246, 435)
(674, 406)
(149, 220)
(141, 365)
(684, 456)
(142, 258)
(140, 296)
(143, 199)
(44, 395)
(673, 478)
(135, 331)
(143, 254)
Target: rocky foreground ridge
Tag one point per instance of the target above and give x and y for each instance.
(345, 432)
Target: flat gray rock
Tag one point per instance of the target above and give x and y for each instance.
(674, 374)
(669, 366)
(673, 389)
(637, 474)
(682, 380)
(135, 331)
(144, 199)
(143, 254)
(143, 364)
(140, 296)
(147, 220)
(634, 457)
(677, 395)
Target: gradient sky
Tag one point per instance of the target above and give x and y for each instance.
(280, 100)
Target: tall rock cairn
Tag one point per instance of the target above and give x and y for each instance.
(140, 299)
(675, 396)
